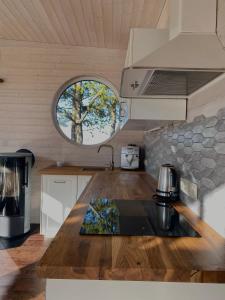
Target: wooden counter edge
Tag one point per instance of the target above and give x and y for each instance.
(138, 274)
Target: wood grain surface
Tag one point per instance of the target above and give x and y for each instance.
(186, 259)
(89, 23)
(79, 170)
(18, 276)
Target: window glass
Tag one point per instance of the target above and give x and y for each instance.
(87, 112)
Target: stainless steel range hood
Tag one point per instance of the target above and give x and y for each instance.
(183, 60)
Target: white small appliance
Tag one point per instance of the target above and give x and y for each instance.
(130, 156)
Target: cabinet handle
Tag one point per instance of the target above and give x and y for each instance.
(59, 181)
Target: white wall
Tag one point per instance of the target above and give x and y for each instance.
(33, 73)
(208, 100)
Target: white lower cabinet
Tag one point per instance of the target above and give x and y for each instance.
(82, 182)
(59, 195)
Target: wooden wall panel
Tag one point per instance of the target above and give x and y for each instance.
(32, 76)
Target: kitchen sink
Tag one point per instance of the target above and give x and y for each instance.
(94, 168)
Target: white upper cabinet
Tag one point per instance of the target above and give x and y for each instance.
(157, 109)
(140, 114)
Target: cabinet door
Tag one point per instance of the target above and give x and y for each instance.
(158, 109)
(82, 183)
(59, 194)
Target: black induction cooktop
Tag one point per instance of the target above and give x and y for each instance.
(135, 217)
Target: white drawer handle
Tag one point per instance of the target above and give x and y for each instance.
(59, 182)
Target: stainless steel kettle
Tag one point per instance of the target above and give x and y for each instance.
(167, 184)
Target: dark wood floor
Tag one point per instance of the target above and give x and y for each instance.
(18, 278)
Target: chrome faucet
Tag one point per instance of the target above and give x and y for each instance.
(112, 159)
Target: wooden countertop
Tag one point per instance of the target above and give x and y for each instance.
(79, 170)
(185, 259)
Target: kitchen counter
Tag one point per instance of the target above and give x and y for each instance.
(79, 170)
(186, 259)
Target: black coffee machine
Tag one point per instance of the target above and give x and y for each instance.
(15, 192)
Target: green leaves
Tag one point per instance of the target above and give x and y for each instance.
(91, 105)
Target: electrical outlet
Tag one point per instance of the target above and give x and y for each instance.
(189, 188)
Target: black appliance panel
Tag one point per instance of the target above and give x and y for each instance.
(13, 179)
(135, 217)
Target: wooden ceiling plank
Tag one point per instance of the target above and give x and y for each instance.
(85, 18)
(90, 23)
(7, 30)
(125, 26)
(23, 15)
(138, 8)
(60, 12)
(117, 19)
(97, 10)
(152, 10)
(45, 22)
(107, 22)
(164, 16)
(147, 14)
(30, 13)
(4, 31)
(79, 16)
(53, 18)
(14, 22)
(6, 27)
(69, 14)
(159, 9)
(89, 19)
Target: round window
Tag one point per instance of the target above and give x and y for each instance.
(87, 111)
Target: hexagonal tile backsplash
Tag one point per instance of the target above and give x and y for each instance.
(196, 149)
